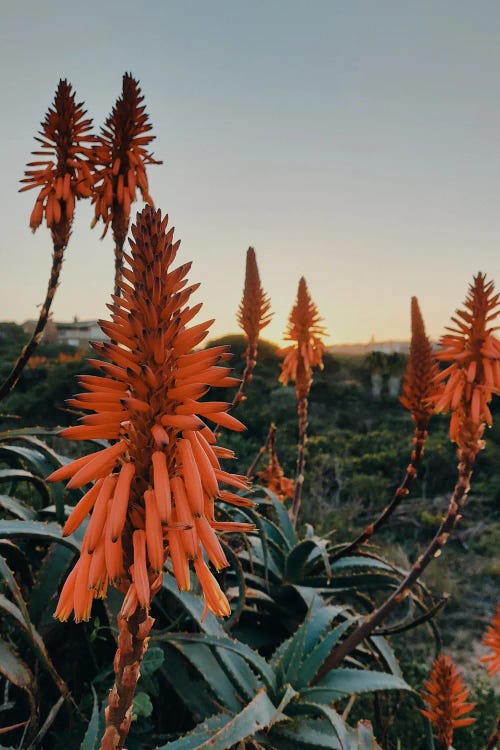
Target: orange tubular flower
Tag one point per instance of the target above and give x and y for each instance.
(273, 477)
(305, 331)
(64, 172)
(122, 157)
(446, 697)
(491, 640)
(419, 384)
(154, 488)
(254, 310)
(474, 374)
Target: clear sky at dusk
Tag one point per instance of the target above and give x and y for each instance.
(355, 143)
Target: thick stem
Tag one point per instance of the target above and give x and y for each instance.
(36, 337)
(399, 495)
(457, 502)
(301, 460)
(118, 267)
(132, 645)
(119, 225)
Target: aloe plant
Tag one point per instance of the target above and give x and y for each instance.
(232, 686)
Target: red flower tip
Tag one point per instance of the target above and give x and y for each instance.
(121, 157)
(419, 385)
(305, 331)
(445, 695)
(474, 373)
(254, 310)
(63, 169)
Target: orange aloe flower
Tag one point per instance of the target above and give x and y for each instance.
(154, 487)
(64, 171)
(474, 373)
(122, 157)
(305, 331)
(419, 383)
(273, 477)
(446, 697)
(254, 310)
(491, 639)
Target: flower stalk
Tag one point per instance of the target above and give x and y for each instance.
(154, 487)
(253, 315)
(121, 158)
(419, 388)
(305, 331)
(132, 645)
(475, 356)
(63, 173)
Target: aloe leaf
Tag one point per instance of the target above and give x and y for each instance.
(217, 682)
(45, 588)
(21, 616)
(361, 561)
(8, 577)
(290, 657)
(320, 554)
(317, 656)
(28, 455)
(49, 720)
(193, 605)
(290, 654)
(275, 533)
(247, 653)
(20, 475)
(258, 714)
(201, 733)
(16, 671)
(23, 431)
(294, 564)
(351, 583)
(18, 561)
(237, 603)
(320, 620)
(238, 668)
(48, 532)
(309, 734)
(89, 741)
(17, 507)
(283, 518)
(387, 654)
(335, 721)
(191, 690)
(340, 682)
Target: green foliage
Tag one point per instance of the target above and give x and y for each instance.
(255, 677)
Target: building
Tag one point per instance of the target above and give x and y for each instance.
(79, 333)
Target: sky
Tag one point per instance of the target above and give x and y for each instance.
(354, 143)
